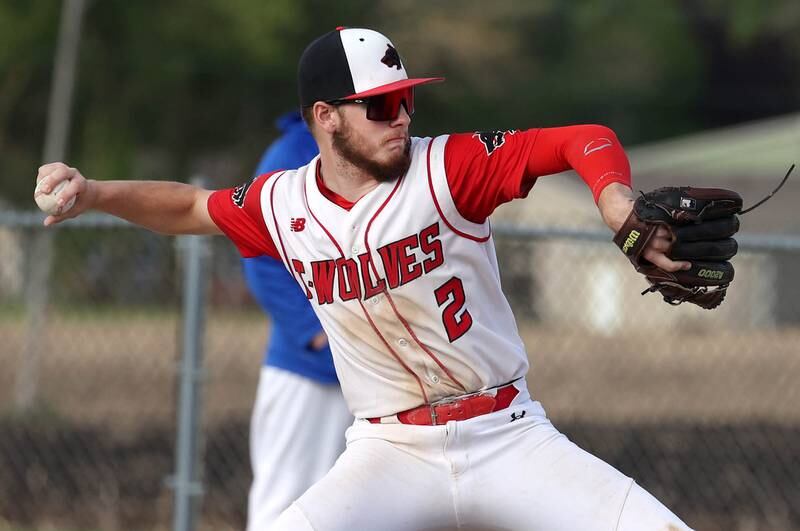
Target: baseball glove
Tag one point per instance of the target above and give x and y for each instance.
(701, 223)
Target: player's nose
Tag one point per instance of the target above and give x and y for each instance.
(403, 118)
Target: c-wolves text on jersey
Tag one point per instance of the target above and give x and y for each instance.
(403, 260)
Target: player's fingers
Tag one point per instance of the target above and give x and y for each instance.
(47, 169)
(71, 190)
(663, 232)
(51, 220)
(661, 260)
(660, 244)
(56, 173)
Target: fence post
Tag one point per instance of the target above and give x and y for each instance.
(186, 481)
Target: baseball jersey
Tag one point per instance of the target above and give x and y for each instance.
(405, 280)
(294, 323)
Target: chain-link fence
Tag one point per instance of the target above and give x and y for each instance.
(700, 407)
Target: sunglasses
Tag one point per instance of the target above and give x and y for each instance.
(385, 107)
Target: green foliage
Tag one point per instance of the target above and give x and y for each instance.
(169, 89)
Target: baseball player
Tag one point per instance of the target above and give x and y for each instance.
(388, 236)
(297, 381)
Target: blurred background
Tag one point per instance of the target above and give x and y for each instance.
(97, 317)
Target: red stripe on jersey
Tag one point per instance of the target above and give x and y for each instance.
(439, 208)
(238, 213)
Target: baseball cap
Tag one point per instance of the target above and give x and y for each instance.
(352, 63)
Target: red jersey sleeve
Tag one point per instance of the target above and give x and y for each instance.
(238, 213)
(486, 169)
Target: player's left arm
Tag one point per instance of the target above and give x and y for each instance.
(485, 170)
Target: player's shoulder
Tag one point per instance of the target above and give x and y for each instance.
(466, 143)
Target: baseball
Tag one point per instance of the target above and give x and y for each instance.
(49, 202)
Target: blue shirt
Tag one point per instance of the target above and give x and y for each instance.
(294, 323)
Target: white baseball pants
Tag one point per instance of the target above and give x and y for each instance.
(509, 470)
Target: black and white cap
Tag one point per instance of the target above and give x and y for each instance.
(352, 63)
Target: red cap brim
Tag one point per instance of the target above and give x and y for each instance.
(397, 85)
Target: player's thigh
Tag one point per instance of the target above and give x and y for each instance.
(642, 510)
(292, 519)
(534, 478)
(375, 485)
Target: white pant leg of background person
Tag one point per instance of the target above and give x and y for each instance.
(493, 472)
(296, 434)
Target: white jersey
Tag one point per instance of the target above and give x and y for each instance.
(406, 288)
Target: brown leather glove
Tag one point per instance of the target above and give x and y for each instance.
(701, 222)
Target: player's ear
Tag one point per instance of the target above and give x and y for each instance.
(326, 117)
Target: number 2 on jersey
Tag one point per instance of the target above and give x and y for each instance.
(451, 293)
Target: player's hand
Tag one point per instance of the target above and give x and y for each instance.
(79, 187)
(656, 252)
(615, 204)
(319, 341)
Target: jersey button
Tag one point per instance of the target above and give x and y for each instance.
(355, 249)
(375, 300)
(402, 342)
(434, 378)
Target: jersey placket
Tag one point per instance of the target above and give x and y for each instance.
(425, 362)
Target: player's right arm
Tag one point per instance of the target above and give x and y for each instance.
(165, 207)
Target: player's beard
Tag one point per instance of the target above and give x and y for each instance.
(350, 148)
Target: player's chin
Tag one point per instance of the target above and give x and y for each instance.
(392, 166)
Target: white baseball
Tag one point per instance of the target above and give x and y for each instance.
(49, 202)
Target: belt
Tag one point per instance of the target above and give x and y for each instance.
(458, 408)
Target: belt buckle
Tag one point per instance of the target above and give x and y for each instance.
(446, 401)
(462, 407)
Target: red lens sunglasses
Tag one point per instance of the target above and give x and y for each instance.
(385, 107)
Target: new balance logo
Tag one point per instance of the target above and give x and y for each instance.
(516, 416)
(297, 224)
